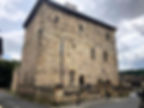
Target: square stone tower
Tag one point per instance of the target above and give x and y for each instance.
(65, 48)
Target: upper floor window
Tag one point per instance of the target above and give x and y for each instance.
(81, 28)
(72, 77)
(40, 35)
(40, 32)
(108, 36)
(105, 56)
(93, 55)
(56, 19)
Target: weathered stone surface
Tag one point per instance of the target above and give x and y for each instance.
(57, 43)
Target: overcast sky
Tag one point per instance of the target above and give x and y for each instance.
(126, 15)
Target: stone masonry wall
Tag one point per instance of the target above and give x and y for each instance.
(52, 28)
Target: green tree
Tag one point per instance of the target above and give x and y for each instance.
(6, 71)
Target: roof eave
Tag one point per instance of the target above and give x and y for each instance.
(39, 3)
(33, 13)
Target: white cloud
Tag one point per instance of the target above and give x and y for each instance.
(13, 42)
(13, 39)
(12, 16)
(61, 1)
(15, 56)
(130, 43)
(9, 11)
(129, 36)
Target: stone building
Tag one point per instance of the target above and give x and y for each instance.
(65, 48)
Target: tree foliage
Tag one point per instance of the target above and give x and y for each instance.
(133, 72)
(6, 71)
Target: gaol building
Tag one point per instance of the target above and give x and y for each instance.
(64, 47)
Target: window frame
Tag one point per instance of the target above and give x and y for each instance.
(93, 53)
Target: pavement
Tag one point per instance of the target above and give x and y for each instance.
(9, 101)
(112, 103)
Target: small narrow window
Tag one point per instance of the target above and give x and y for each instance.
(56, 19)
(72, 75)
(81, 28)
(107, 36)
(105, 56)
(93, 55)
(81, 80)
(62, 46)
(40, 32)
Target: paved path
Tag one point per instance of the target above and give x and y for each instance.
(8, 101)
(131, 102)
(116, 103)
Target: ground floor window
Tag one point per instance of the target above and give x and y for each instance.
(72, 77)
(81, 80)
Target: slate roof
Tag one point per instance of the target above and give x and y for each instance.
(65, 10)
